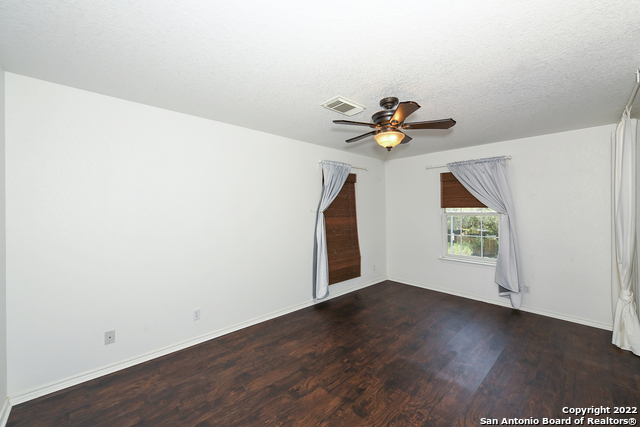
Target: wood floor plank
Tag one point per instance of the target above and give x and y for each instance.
(388, 355)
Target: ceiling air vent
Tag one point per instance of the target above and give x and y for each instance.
(343, 106)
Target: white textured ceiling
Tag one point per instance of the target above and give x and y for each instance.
(502, 69)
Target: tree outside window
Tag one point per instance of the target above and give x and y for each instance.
(472, 233)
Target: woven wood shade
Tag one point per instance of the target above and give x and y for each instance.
(454, 195)
(343, 249)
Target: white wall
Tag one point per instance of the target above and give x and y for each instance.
(128, 217)
(3, 270)
(560, 184)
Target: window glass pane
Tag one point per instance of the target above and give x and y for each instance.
(456, 224)
(470, 225)
(490, 226)
(454, 248)
(470, 246)
(491, 248)
(471, 232)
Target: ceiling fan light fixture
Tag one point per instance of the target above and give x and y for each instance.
(386, 123)
(389, 139)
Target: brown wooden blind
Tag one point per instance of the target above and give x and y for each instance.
(454, 195)
(343, 249)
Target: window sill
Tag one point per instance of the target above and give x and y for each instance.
(469, 261)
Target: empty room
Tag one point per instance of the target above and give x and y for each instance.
(319, 213)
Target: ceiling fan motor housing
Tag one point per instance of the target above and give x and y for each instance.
(382, 116)
(389, 103)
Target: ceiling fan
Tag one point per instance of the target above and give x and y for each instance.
(388, 122)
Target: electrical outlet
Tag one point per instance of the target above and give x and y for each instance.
(196, 314)
(527, 289)
(374, 267)
(109, 337)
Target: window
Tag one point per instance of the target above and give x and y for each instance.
(343, 249)
(471, 233)
(470, 229)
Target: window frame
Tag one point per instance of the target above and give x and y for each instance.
(465, 258)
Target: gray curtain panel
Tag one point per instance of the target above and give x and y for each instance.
(626, 325)
(335, 174)
(486, 179)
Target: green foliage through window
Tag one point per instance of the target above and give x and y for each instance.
(472, 232)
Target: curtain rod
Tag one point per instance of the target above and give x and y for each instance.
(634, 91)
(352, 167)
(444, 166)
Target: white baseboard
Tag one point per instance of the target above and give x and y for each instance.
(504, 303)
(6, 410)
(87, 376)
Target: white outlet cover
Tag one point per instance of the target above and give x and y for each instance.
(109, 337)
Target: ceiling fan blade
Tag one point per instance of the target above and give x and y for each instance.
(433, 124)
(404, 110)
(406, 139)
(363, 136)
(348, 122)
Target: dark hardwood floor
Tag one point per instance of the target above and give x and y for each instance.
(395, 356)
